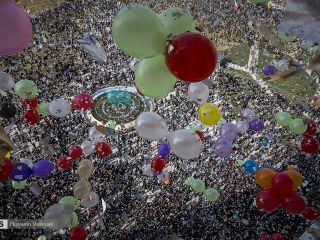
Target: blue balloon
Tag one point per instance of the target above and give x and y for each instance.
(43, 168)
(118, 96)
(265, 143)
(269, 70)
(164, 149)
(251, 166)
(20, 171)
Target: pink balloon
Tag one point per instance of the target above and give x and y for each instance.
(15, 28)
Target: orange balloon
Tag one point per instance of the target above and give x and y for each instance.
(296, 177)
(264, 177)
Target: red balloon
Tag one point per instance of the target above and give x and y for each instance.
(267, 200)
(200, 134)
(310, 213)
(31, 116)
(103, 149)
(265, 237)
(5, 171)
(282, 183)
(294, 203)
(158, 163)
(78, 233)
(191, 57)
(30, 103)
(312, 128)
(82, 101)
(309, 144)
(276, 236)
(64, 162)
(75, 152)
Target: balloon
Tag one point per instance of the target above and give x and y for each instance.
(177, 21)
(15, 28)
(164, 150)
(153, 78)
(222, 121)
(264, 177)
(200, 134)
(59, 214)
(103, 149)
(256, 125)
(223, 147)
(282, 183)
(294, 203)
(26, 89)
(35, 189)
(209, 113)
(70, 200)
(283, 118)
(146, 169)
(228, 131)
(75, 152)
(211, 194)
(190, 181)
(7, 110)
(6, 81)
(251, 166)
(282, 65)
(91, 201)
(64, 162)
(139, 32)
(198, 186)
(191, 57)
(19, 185)
(30, 103)
(60, 108)
(151, 126)
(248, 114)
(309, 144)
(6, 169)
(81, 189)
(198, 92)
(78, 233)
(82, 101)
(163, 176)
(295, 176)
(20, 171)
(158, 164)
(43, 168)
(185, 144)
(242, 126)
(269, 70)
(74, 220)
(312, 128)
(87, 148)
(31, 116)
(297, 126)
(276, 236)
(43, 108)
(42, 237)
(112, 124)
(85, 168)
(310, 213)
(94, 135)
(267, 200)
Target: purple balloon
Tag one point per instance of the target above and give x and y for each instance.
(256, 125)
(164, 149)
(223, 147)
(269, 70)
(20, 171)
(228, 131)
(15, 28)
(247, 114)
(43, 168)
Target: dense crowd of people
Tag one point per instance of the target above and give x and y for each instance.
(140, 206)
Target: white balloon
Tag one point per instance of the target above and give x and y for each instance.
(248, 114)
(242, 126)
(60, 108)
(185, 143)
(87, 148)
(94, 135)
(91, 201)
(283, 64)
(60, 214)
(6, 81)
(146, 169)
(198, 92)
(151, 126)
(163, 176)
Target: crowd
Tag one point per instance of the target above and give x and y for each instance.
(139, 206)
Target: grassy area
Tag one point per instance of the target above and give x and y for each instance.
(239, 54)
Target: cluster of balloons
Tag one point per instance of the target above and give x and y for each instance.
(269, 70)
(82, 189)
(296, 126)
(75, 203)
(223, 146)
(309, 142)
(280, 189)
(142, 34)
(198, 186)
(275, 236)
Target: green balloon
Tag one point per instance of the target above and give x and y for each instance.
(221, 122)
(70, 200)
(43, 108)
(19, 185)
(139, 32)
(26, 89)
(193, 127)
(189, 181)
(198, 186)
(42, 237)
(153, 78)
(177, 21)
(74, 220)
(283, 118)
(111, 124)
(297, 126)
(211, 194)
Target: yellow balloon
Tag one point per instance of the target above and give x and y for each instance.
(8, 155)
(209, 114)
